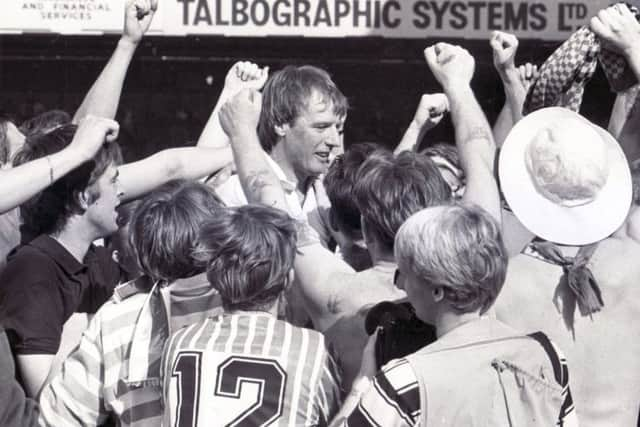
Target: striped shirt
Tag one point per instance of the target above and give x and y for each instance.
(393, 399)
(115, 371)
(249, 368)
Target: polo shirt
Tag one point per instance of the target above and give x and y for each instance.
(42, 286)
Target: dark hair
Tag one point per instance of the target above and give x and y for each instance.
(48, 211)
(45, 122)
(287, 92)
(390, 189)
(340, 181)
(164, 228)
(249, 252)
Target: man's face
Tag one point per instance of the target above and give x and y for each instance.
(102, 212)
(311, 138)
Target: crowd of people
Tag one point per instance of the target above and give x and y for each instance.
(268, 276)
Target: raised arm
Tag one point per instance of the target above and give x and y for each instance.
(104, 96)
(242, 75)
(453, 67)
(22, 182)
(504, 47)
(314, 264)
(138, 178)
(430, 111)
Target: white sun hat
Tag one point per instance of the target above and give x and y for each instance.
(566, 179)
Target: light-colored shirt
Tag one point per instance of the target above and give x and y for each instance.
(249, 368)
(116, 368)
(314, 209)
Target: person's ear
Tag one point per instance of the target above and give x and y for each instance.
(82, 199)
(438, 294)
(281, 130)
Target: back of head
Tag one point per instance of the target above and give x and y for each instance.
(286, 94)
(458, 248)
(45, 122)
(340, 181)
(390, 189)
(48, 211)
(249, 252)
(164, 228)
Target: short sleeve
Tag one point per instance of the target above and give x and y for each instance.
(33, 320)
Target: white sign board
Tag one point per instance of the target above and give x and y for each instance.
(471, 19)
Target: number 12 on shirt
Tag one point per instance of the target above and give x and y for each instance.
(238, 391)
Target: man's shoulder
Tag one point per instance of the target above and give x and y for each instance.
(27, 265)
(231, 192)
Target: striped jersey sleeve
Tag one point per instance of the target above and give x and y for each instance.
(393, 400)
(75, 396)
(248, 368)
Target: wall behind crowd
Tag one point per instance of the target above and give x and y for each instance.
(173, 82)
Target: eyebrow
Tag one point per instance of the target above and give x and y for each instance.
(116, 175)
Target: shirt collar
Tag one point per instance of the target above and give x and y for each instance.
(484, 329)
(287, 185)
(59, 253)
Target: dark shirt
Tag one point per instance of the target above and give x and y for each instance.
(43, 285)
(15, 409)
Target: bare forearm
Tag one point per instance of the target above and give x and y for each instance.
(259, 181)
(22, 182)
(476, 148)
(503, 124)
(104, 96)
(140, 177)
(212, 135)
(514, 93)
(411, 138)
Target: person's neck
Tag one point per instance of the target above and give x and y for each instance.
(300, 180)
(75, 239)
(273, 311)
(379, 253)
(447, 321)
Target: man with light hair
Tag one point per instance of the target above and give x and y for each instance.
(300, 129)
(569, 183)
(452, 264)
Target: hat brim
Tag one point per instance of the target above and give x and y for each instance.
(578, 225)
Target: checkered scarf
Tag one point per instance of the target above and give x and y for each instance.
(564, 74)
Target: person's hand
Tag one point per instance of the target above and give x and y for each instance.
(91, 135)
(244, 75)
(431, 110)
(617, 28)
(504, 47)
(528, 73)
(451, 65)
(241, 113)
(137, 19)
(368, 366)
